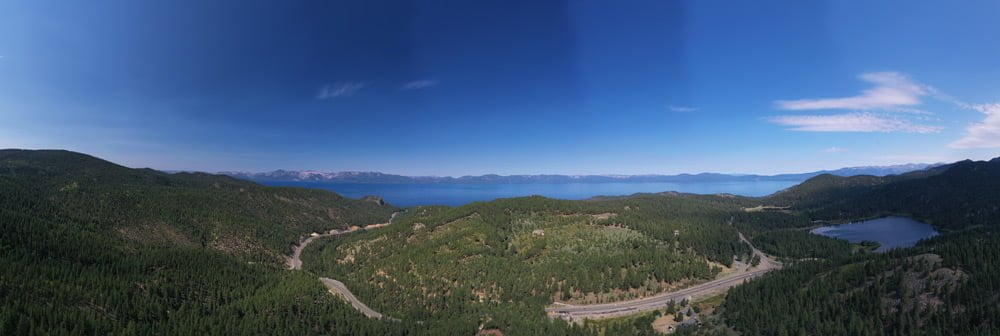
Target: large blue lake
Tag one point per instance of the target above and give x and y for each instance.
(891, 232)
(459, 194)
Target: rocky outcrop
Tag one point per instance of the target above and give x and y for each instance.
(374, 199)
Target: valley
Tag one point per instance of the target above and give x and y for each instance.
(154, 258)
(337, 287)
(499, 168)
(658, 301)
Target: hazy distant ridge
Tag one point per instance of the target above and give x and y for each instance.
(377, 177)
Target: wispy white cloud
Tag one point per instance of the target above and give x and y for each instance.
(893, 92)
(985, 134)
(337, 90)
(419, 84)
(850, 122)
(835, 150)
(878, 109)
(682, 109)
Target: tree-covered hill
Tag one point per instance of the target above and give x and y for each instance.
(155, 208)
(93, 248)
(949, 285)
(501, 262)
(951, 197)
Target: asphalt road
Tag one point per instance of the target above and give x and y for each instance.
(337, 287)
(602, 310)
(570, 312)
(295, 261)
(649, 303)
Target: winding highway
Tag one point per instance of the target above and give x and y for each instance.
(336, 287)
(560, 310)
(717, 286)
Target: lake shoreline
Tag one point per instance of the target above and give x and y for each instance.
(890, 232)
(407, 195)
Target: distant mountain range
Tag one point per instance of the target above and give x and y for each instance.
(383, 178)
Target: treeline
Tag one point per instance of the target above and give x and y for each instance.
(510, 258)
(800, 244)
(945, 286)
(61, 277)
(155, 208)
(700, 223)
(953, 197)
(786, 235)
(92, 248)
(638, 325)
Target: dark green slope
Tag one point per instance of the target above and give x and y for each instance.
(155, 208)
(89, 247)
(949, 285)
(952, 197)
(499, 263)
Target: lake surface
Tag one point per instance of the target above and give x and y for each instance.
(459, 194)
(891, 232)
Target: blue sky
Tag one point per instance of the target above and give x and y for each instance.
(475, 87)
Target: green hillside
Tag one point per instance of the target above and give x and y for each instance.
(500, 262)
(951, 197)
(946, 286)
(159, 209)
(89, 247)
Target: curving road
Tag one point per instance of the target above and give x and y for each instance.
(337, 287)
(295, 262)
(565, 311)
(602, 310)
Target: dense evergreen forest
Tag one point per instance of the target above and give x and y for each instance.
(155, 208)
(503, 258)
(950, 197)
(945, 286)
(90, 247)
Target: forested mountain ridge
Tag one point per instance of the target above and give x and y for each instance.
(184, 209)
(948, 285)
(92, 248)
(377, 177)
(500, 262)
(950, 197)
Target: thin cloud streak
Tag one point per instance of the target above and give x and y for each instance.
(337, 90)
(850, 122)
(418, 84)
(682, 109)
(834, 150)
